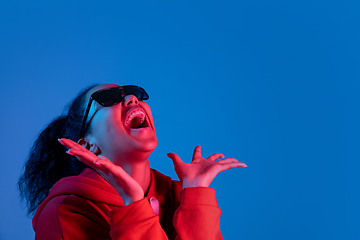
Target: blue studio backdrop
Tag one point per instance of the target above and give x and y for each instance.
(274, 84)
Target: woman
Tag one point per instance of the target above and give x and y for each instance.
(112, 193)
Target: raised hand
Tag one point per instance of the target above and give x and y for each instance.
(201, 172)
(129, 189)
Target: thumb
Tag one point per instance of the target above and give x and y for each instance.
(175, 158)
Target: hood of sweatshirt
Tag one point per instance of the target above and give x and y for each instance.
(90, 185)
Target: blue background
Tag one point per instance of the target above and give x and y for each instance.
(274, 84)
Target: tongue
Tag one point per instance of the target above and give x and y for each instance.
(136, 123)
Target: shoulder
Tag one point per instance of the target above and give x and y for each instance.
(72, 217)
(161, 181)
(87, 194)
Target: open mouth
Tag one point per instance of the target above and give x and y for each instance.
(136, 119)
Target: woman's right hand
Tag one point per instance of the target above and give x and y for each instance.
(129, 189)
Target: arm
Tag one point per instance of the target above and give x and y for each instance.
(73, 217)
(198, 216)
(135, 220)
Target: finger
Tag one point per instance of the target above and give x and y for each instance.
(175, 158)
(96, 166)
(231, 165)
(197, 153)
(67, 142)
(106, 166)
(228, 160)
(87, 155)
(70, 143)
(64, 143)
(215, 156)
(87, 158)
(91, 162)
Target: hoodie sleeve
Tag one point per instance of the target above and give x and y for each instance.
(197, 218)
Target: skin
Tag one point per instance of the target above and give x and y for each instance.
(120, 155)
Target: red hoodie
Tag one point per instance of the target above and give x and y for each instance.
(87, 207)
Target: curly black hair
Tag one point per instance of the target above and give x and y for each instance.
(48, 162)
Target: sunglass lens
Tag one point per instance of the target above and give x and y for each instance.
(109, 97)
(136, 91)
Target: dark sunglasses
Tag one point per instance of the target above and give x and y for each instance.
(111, 96)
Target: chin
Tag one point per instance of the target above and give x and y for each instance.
(148, 146)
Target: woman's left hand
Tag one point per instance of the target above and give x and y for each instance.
(200, 172)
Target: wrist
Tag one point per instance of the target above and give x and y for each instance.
(186, 183)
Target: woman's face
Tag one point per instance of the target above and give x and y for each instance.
(125, 130)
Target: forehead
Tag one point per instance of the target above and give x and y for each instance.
(99, 87)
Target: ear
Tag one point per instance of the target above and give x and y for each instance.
(95, 149)
(84, 142)
(89, 146)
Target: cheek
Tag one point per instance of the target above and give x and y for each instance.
(105, 124)
(100, 124)
(147, 108)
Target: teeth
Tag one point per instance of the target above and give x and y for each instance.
(136, 113)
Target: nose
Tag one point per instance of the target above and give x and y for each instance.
(130, 100)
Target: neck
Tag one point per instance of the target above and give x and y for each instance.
(140, 171)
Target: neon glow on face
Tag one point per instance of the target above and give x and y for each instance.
(108, 97)
(123, 130)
